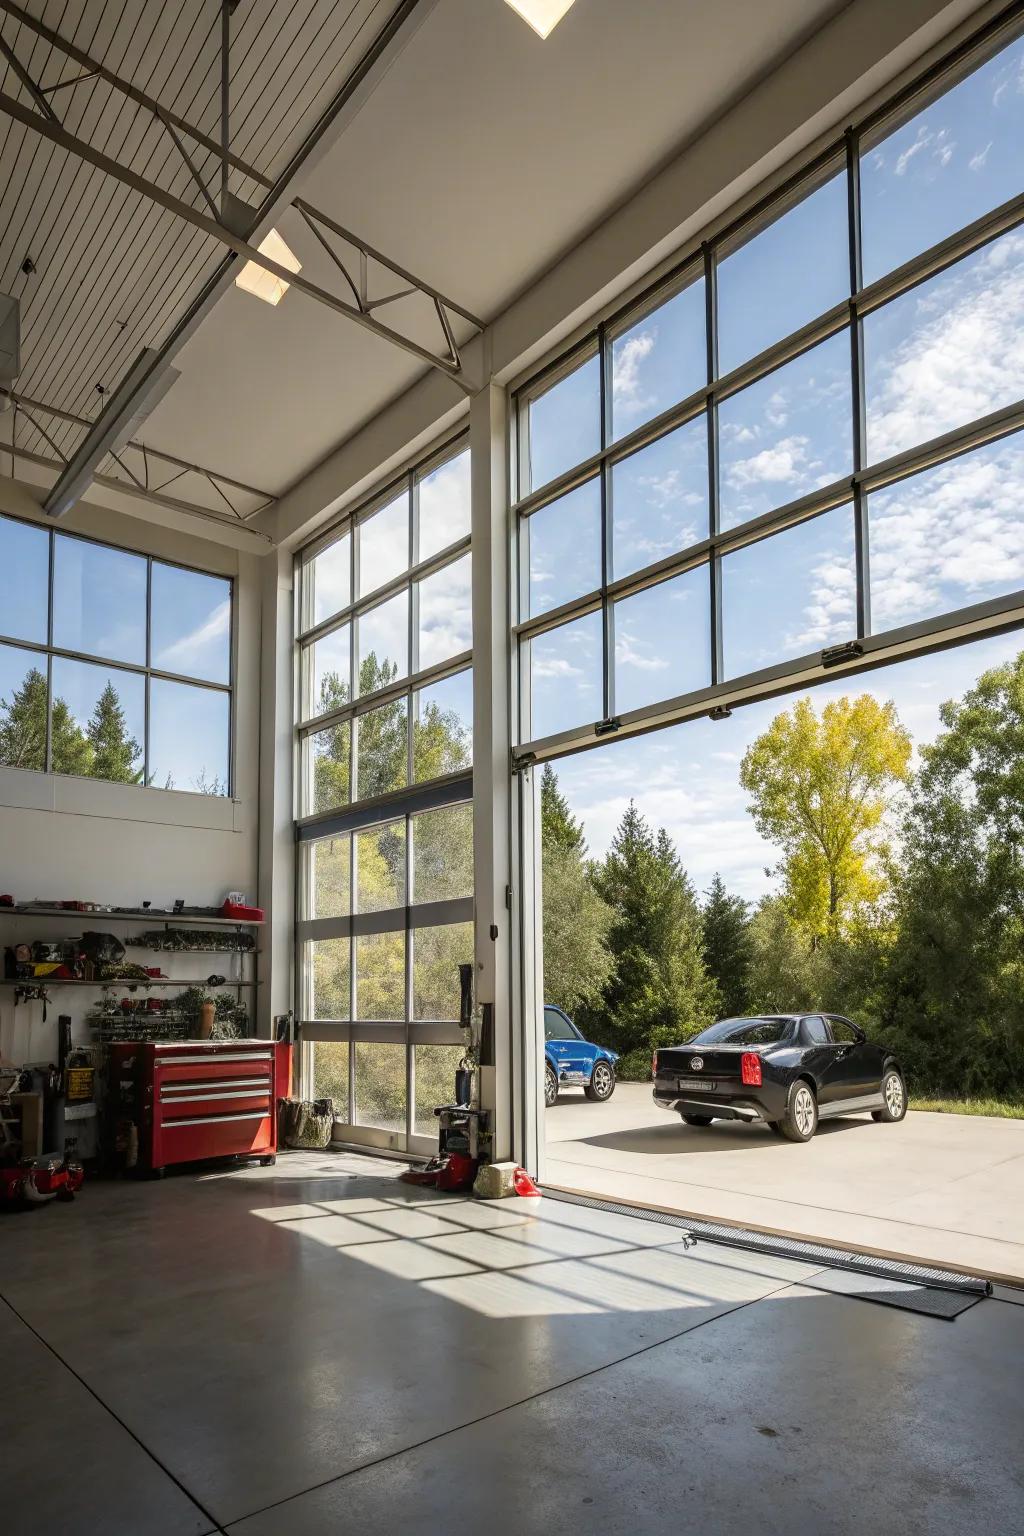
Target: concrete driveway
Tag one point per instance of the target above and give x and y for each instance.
(944, 1188)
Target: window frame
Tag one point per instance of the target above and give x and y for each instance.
(842, 156)
(144, 669)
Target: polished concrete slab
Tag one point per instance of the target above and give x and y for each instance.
(306, 1348)
(942, 1188)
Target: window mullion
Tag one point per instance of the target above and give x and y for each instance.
(859, 412)
(714, 516)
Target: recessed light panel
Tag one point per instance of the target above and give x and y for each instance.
(543, 15)
(267, 285)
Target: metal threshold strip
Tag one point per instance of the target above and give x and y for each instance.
(789, 1247)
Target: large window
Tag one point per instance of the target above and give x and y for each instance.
(810, 436)
(113, 665)
(384, 727)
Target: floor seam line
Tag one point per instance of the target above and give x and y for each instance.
(531, 1397)
(215, 1525)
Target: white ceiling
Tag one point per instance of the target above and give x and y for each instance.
(482, 157)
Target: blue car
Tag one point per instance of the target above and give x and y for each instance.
(572, 1062)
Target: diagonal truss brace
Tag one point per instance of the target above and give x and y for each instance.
(43, 118)
(151, 458)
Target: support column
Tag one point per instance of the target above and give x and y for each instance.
(276, 805)
(491, 759)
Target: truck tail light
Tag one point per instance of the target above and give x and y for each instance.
(750, 1069)
(654, 1066)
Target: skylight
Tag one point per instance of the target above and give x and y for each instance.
(543, 15)
(267, 285)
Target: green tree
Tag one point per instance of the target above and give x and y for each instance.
(956, 973)
(23, 731)
(819, 787)
(577, 961)
(659, 991)
(727, 946)
(114, 752)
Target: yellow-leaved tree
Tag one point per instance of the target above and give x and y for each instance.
(819, 787)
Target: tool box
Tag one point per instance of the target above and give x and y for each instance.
(197, 1099)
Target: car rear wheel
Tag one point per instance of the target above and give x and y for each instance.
(895, 1096)
(697, 1119)
(550, 1086)
(602, 1082)
(801, 1118)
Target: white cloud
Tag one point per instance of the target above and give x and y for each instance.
(190, 655)
(977, 162)
(782, 463)
(554, 666)
(633, 652)
(627, 392)
(939, 147)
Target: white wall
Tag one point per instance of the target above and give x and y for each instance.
(124, 844)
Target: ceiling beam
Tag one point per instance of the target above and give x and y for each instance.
(403, 22)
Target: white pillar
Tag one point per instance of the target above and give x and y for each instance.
(491, 753)
(276, 803)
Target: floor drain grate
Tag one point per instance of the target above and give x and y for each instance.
(789, 1247)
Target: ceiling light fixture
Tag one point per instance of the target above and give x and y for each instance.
(267, 285)
(543, 15)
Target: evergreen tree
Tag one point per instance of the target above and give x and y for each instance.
(727, 946)
(23, 731)
(577, 962)
(659, 991)
(114, 752)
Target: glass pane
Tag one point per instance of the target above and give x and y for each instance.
(329, 580)
(663, 641)
(328, 755)
(328, 669)
(442, 857)
(443, 506)
(330, 876)
(659, 361)
(380, 977)
(188, 738)
(382, 749)
(380, 1085)
(435, 1067)
(99, 721)
(331, 970)
(445, 613)
(99, 600)
(791, 594)
(951, 163)
(566, 677)
(564, 540)
(380, 868)
(788, 434)
(948, 351)
(384, 545)
(949, 537)
(660, 498)
(384, 643)
(330, 1074)
(793, 271)
(23, 709)
(437, 954)
(564, 424)
(442, 732)
(191, 631)
(25, 560)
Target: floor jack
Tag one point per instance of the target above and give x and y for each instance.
(28, 1181)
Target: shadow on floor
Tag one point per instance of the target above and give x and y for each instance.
(722, 1136)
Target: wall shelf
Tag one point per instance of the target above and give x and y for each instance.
(127, 981)
(192, 919)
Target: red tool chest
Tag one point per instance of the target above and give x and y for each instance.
(197, 1099)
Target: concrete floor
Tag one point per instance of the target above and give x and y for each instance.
(316, 1348)
(943, 1188)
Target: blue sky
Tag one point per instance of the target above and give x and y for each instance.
(686, 778)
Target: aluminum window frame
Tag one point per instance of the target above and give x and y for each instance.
(361, 815)
(841, 156)
(144, 669)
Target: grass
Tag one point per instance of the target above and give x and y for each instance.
(1000, 1109)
